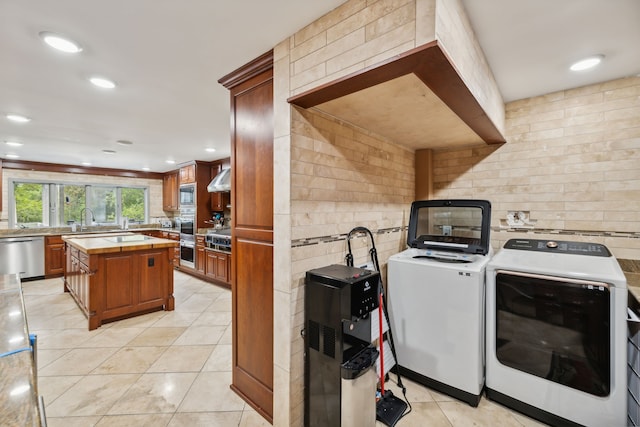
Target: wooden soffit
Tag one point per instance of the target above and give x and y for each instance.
(416, 99)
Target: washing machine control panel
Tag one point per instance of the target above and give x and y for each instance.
(557, 246)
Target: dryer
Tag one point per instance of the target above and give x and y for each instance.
(436, 296)
(556, 332)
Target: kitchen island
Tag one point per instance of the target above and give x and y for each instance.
(113, 277)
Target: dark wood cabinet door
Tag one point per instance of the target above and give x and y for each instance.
(222, 272)
(211, 262)
(188, 174)
(201, 260)
(54, 260)
(251, 90)
(170, 191)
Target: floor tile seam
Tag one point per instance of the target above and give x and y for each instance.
(154, 412)
(40, 367)
(105, 361)
(122, 395)
(84, 348)
(449, 420)
(65, 390)
(92, 415)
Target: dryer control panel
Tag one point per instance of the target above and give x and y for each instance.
(557, 246)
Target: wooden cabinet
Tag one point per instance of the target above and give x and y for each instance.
(114, 285)
(170, 191)
(210, 259)
(176, 251)
(54, 261)
(217, 266)
(188, 174)
(152, 233)
(251, 90)
(200, 256)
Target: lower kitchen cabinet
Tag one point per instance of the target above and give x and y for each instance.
(53, 256)
(217, 266)
(200, 255)
(176, 251)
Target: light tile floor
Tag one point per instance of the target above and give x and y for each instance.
(174, 368)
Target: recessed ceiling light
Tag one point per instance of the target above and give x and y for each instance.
(586, 63)
(108, 151)
(18, 118)
(210, 150)
(60, 43)
(102, 82)
(86, 163)
(124, 142)
(146, 169)
(171, 162)
(13, 143)
(11, 156)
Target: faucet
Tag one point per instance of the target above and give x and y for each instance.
(82, 211)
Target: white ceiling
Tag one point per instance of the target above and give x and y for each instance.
(167, 56)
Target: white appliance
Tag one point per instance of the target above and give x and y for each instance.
(436, 296)
(556, 332)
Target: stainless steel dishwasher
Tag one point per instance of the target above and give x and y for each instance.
(23, 255)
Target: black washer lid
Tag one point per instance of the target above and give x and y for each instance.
(458, 225)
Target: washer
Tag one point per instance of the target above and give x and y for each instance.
(436, 296)
(556, 332)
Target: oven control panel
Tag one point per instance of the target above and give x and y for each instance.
(557, 246)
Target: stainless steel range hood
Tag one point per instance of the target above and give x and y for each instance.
(221, 182)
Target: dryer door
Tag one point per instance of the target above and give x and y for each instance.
(555, 328)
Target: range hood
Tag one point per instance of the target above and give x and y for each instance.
(221, 182)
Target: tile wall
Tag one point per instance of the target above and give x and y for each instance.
(330, 176)
(571, 159)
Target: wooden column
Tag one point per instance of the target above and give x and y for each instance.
(424, 174)
(251, 90)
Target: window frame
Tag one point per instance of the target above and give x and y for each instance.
(56, 203)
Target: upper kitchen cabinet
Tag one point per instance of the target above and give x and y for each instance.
(188, 174)
(433, 90)
(170, 191)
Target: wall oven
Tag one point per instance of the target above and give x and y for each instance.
(186, 224)
(187, 252)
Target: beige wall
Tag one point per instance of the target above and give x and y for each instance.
(154, 185)
(341, 177)
(330, 176)
(572, 159)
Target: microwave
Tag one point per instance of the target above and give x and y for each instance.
(187, 195)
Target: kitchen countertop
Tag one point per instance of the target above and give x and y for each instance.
(18, 384)
(120, 242)
(56, 231)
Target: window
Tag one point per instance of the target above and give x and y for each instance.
(49, 204)
(30, 199)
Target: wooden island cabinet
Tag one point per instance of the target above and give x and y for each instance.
(53, 256)
(113, 277)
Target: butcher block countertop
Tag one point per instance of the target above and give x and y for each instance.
(121, 242)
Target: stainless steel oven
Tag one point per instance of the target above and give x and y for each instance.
(186, 224)
(187, 251)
